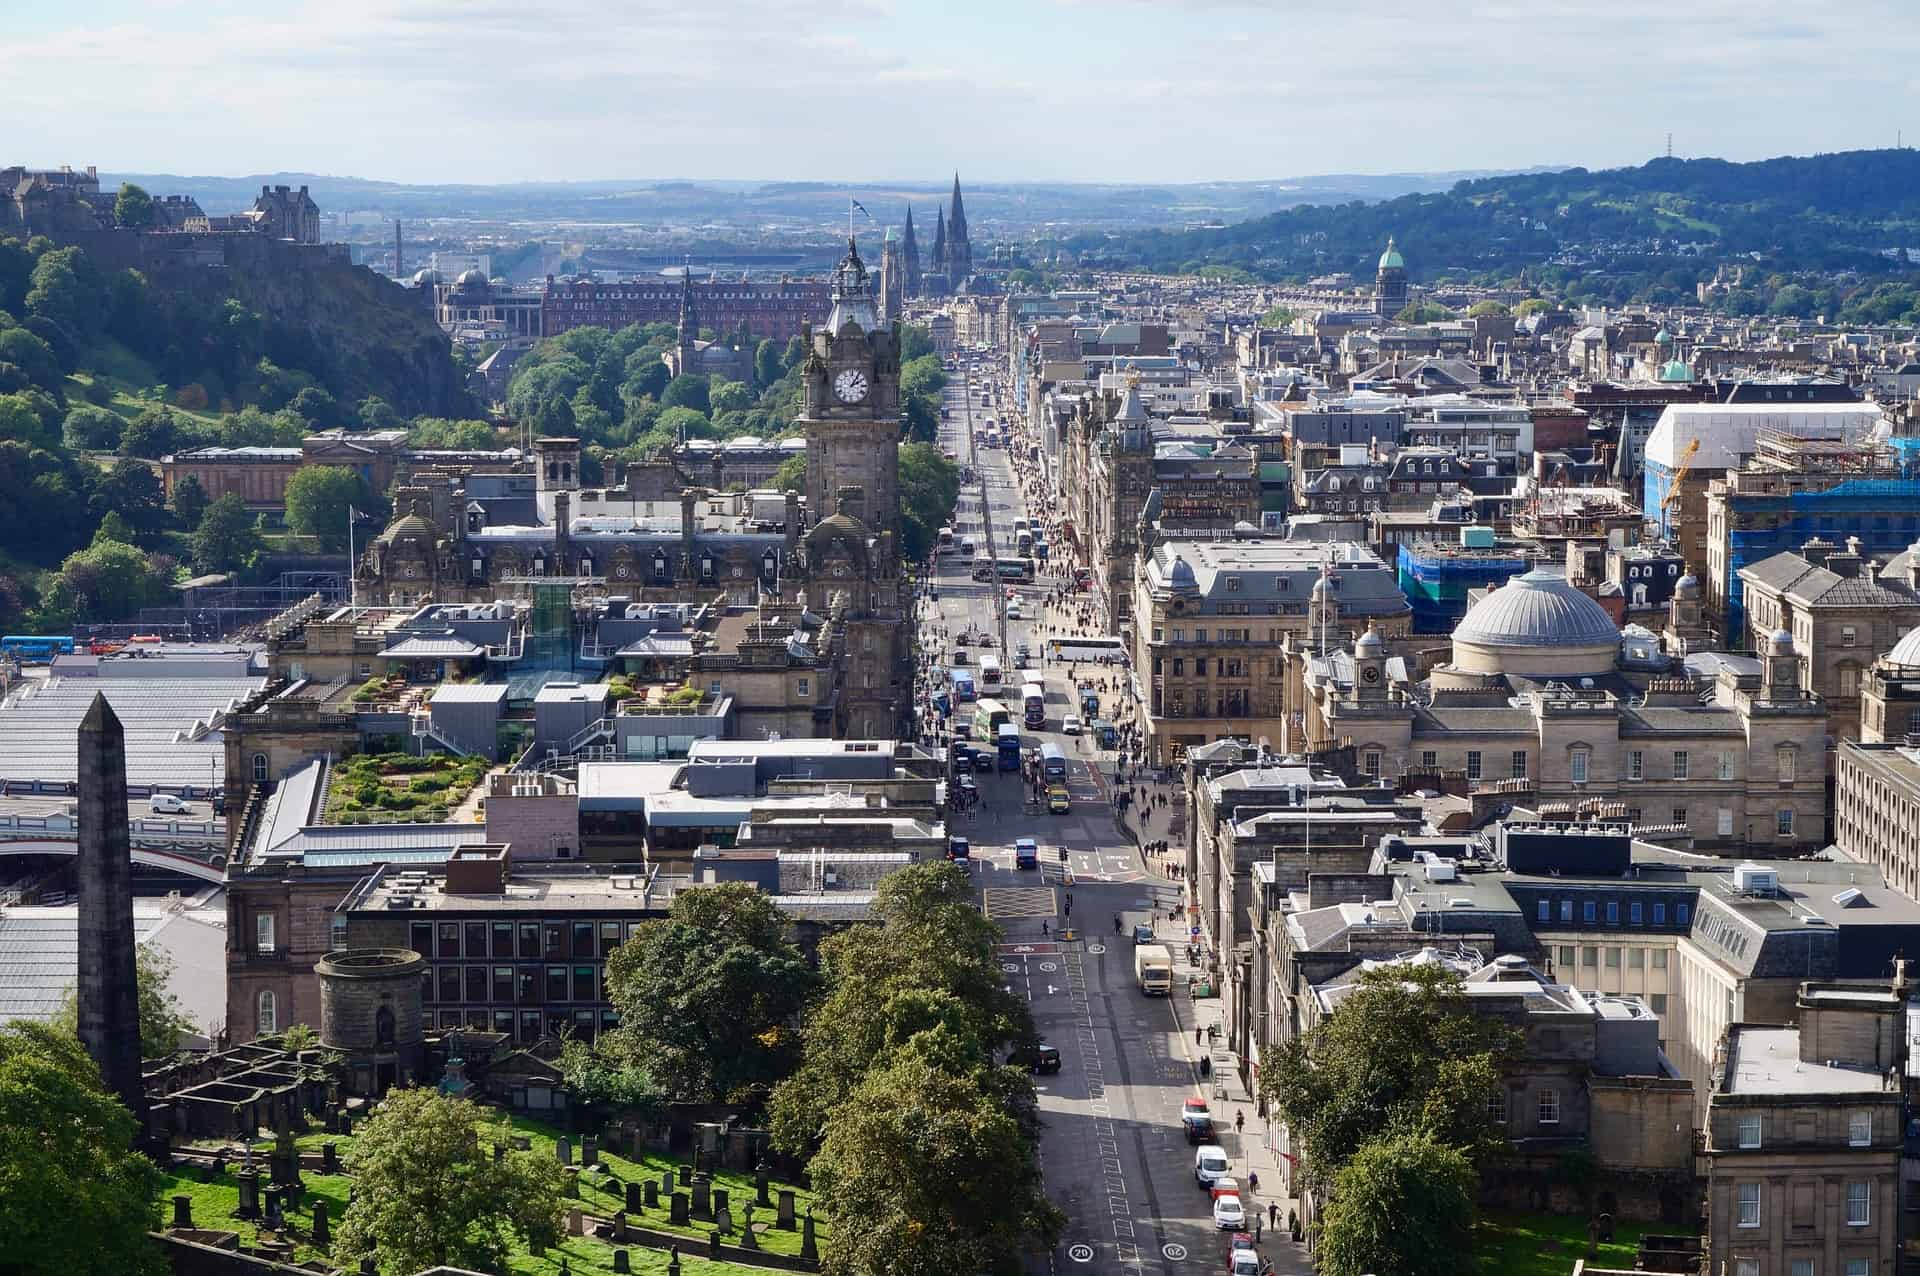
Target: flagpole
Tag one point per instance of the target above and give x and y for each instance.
(353, 582)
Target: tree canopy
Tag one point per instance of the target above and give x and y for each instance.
(162, 1021)
(319, 498)
(427, 1194)
(1404, 1205)
(74, 1196)
(227, 538)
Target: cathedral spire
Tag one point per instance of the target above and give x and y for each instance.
(959, 250)
(939, 240)
(689, 331)
(910, 256)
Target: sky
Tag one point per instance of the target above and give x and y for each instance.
(488, 91)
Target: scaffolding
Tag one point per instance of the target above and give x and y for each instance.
(1437, 576)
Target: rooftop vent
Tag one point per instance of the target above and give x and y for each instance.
(1751, 879)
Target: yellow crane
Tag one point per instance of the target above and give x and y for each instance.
(1673, 492)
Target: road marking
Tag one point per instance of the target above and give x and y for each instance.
(1080, 1253)
(1096, 949)
(1173, 1253)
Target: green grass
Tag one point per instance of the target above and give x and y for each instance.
(1546, 1244)
(385, 787)
(214, 1203)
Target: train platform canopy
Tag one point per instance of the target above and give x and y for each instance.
(173, 739)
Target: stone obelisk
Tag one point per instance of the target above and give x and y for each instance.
(108, 994)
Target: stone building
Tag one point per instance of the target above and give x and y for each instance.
(770, 309)
(1212, 618)
(1876, 808)
(281, 213)
(1390, 283)
(1543, 691)
(1805, 1133)
(1890, 696)
(1841, 615)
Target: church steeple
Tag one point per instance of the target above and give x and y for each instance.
(910, 256)
(959, 250)
(689, 330)
(939, 241)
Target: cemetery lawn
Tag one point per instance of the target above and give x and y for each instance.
(214, 1203)
(1516, 1244)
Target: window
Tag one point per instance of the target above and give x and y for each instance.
(1859, 1267)
(803, 689)
(1473, 764)
(1633, 912)
(1636, 959)
(1859, 1205)
(266, 1019)
(263, 933)
(1681, 913)
(1749, 1132)
(1589, 911)
(1783, 821)
(259, 768)
(1784, 764)
(1549, 1107)
(336, 933)
(1497, 1106)
(1802, 1267)
(1679, 764)
(1659, 959)
(1657, 1002)
(1371, 764)
(1545, 910)
(1726, 766)
(503, 984)
(1636, 765)
(1519, 764)
(1749, 1199)
(1590, 958)
(1860, 1130)
(1848, 638)
(1680, 815)
(1566, 910)
(1566, 955)
(1613, 959)
(1723, 822)
(1659, 913)
(1746, 1267)
(1429, 760)
(1578, 766)
(1613, 912)
(556, 983)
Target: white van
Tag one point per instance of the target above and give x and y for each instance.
(167, 804)
(1210, 1164)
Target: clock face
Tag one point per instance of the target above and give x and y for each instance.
(1371, 674)
(850, 386)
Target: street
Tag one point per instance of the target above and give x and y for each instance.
(1114, 1155)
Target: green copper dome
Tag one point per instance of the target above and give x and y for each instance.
(1663, 338)
(1391, 259)
(1676, 370)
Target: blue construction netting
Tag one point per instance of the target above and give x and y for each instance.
(1884, 513)
(1436, 584)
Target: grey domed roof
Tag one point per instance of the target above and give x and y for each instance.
(1371, 643)
(475, 278)
(1907, 650)
(427, 275)
(1180, 574)
(1538, 609)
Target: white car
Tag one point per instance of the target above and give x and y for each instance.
(1210, 1163)
(1014, 612)
(1228, 1214)
(167, 804)
(1070, 725)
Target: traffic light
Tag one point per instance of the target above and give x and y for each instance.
(1069, 903)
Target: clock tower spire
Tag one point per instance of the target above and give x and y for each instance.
(850, 406)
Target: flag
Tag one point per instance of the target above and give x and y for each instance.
(862, 207)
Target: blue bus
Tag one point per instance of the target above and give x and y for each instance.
(963, 689)
(1008, 743)
(30, 649)
(1053, 764)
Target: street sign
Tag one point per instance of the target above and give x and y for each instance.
(1080, 1253)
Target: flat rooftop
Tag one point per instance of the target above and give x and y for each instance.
(1767, 1061)
(166, 722)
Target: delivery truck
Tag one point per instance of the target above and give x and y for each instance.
(1153, 967)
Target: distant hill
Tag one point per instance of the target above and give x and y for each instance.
(997, 207)
(1820, 212)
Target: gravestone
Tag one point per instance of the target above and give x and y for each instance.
(499, 1153)
(620, 1261)
(761, 1178)
(367, 1268)
(276, 1212)
(522, 1143)
(686, 1176)
(748, 1239)
(249, 1181)
(576, 1223)
(536, 1246)
(713, 1243)
(563, 1149)
(570, 1179)
(329, 1158)
(784, 1219)
(589, 1150)
(634, 1198)
(677, 1209)
(322, 1229)
(652, 1194)
(620, 1226)
(808, 1249)
(1604, 1227)
(722, 1214)
(666, 1182)
(702, 1198)
(182, 1211)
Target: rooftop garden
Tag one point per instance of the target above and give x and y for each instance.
(399, 788)
(216, 1196)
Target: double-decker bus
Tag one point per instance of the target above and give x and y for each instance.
(990, 671)
(1033, 698)
(945, 545)
(1103, 650)
(36, 649)
(1014, 571)
(1053, 764)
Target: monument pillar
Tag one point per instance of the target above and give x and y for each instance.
(108, 1000)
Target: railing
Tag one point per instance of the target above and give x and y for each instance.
(599, 730)
(645, 708)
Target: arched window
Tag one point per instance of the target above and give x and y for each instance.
(1333, 484)
(553, 471)
(383, 1027)
(259, 768)
(266, 1018)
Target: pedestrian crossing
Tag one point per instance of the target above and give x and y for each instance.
(1019, 901)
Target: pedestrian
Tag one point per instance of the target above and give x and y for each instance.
(1196, 1036)
(1256, 1229)
(1239, 1118)
(1273, 1215)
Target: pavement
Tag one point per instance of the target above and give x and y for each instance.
(1114, 1155)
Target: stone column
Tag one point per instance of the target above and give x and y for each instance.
(107, 996)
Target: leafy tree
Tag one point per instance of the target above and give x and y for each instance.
(21, 422)
(792, 474)
(461, 436)
(1404, 1054)
(43, 501)
(132, 207)
(319, 498)
(927, 1170)
(66, 290)
(16, 269)
(683, 423)
(314, 406)
(923, 376)
(427, 1194)
(226, 538)
(688, 390)
(767, 365)
(916, 342)
(375, 413)
(1532, 306)
(152, 434)
(77, 1198)
(1403, 1205)
(708, 996)
(33, 356)
(92, 429)
(1482, 308)
(606, 1084)
(189, 501)
(929, 488)
(922, 415)
(133, 491)
(729, 396)
(162, 1021)
(1423, 312)
(109, 580)
(1277, 317)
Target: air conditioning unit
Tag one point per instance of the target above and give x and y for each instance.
(1752, 879)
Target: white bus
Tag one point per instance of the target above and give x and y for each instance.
(1103, 650)
(989, 671)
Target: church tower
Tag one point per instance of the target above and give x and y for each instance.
(910, 257)
(1390, 283)
(938, 271)
(892, 280)
(850, 409)
(688, 333)
(959, 251)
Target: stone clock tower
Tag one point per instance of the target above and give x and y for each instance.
(851, 409)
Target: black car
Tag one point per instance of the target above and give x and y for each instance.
(1036, 1058)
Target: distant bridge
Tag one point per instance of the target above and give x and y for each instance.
(146, 856)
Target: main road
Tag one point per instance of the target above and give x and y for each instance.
(1114, 1157)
